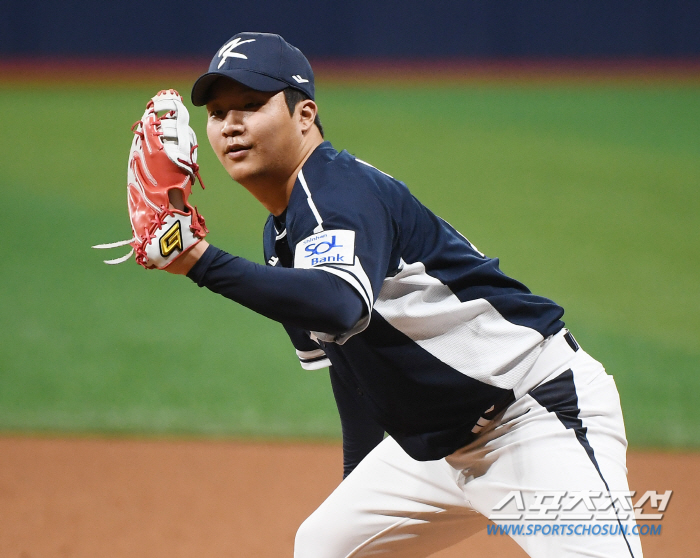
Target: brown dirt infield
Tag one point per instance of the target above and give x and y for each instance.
(133, 498)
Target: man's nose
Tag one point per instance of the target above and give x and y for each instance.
(233, 124)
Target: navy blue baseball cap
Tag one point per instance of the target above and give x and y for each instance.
(262, 61)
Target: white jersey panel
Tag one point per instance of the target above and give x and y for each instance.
(472, 337)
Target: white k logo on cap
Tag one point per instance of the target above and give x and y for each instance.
(226, 51)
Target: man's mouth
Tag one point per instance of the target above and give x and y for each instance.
(236, 149)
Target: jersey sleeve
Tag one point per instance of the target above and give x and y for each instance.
(311, 355)
(346, 230)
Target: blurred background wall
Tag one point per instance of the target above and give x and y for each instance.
(357, 28)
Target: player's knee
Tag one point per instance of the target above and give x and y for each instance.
(304, 541)
(312, 539)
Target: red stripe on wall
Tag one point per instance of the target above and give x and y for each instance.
(146, 70)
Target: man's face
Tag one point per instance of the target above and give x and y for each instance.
(252, 133)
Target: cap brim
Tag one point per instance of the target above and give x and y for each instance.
(259, 82)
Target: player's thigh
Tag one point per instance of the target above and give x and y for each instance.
(566, 436)
(392, 505)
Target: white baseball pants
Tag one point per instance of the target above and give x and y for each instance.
(565, 433)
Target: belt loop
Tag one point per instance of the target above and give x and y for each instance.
(571, 341)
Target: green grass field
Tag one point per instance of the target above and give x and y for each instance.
(588, 194)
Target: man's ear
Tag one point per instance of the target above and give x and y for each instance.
(306, 111)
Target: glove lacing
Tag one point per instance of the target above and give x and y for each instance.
(198, 226)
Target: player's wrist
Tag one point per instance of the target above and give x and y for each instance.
(186, 261)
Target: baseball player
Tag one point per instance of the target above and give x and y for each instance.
(460, 392)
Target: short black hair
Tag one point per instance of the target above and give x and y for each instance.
(294, 97)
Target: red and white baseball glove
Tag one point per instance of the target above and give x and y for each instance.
(162, 170)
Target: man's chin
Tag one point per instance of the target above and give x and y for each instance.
(245, 177)
(239, 172)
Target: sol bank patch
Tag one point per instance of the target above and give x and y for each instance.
(327, 247)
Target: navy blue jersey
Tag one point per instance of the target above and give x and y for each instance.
(445, 335)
